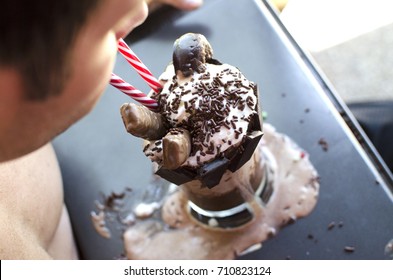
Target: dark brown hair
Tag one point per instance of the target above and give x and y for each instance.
(36, 38)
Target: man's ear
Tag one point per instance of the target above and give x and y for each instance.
(11, 101)
(11, 95)
(11, 85)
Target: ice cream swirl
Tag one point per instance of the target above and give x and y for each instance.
(215, 106)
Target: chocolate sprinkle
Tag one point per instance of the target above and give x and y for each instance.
(324, 144)
(340, 224)
(349, 249)
(208, 110)
(331, 225)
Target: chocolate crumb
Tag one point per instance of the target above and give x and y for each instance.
(324, 144)
(307, 110)
(270, 234)
(340, 224)
(349, 249)
(291, 220)
(112, 199)
(310, 236)
(389, 249)
(331, 225)
(146, 147)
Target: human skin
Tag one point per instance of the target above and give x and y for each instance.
(93, 57)
(179, 4)
(35, 223)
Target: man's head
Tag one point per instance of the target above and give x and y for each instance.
(36, 40)
(55, 61)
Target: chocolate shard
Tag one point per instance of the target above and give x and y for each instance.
(256, 122)
(249, 145)
(177, 176)
(211, 173)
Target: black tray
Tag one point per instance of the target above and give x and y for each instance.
(98, 156)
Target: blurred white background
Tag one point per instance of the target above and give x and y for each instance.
(351, 41)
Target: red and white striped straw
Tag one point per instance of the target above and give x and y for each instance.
(141, 68)
(131, 91)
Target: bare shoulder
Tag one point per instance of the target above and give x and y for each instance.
(31, 204)
(29, 174)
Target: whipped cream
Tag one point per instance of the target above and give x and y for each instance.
(215, 106)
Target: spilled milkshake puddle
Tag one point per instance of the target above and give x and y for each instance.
(175, 234)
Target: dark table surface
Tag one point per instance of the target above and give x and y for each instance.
(97, 156)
